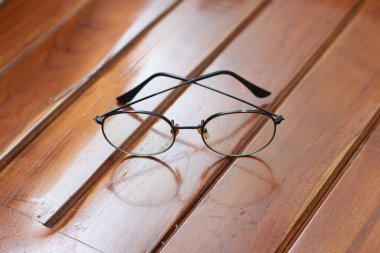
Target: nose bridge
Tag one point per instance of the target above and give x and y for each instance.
(177, 127)
(197, 127)
(188, 127)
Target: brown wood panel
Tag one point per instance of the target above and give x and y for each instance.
(66, 157)
(19, 233)
(37, 88)
(24, 24)
(349, 219)
(138, 200)
(259, 203)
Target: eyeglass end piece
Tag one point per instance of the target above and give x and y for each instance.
(279, 119)
(99, 119)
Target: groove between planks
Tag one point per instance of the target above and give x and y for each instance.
(348, 220)
(350, 144)
(22, 234)
(329, 187)
(98, 98)
(163, 106)
(37, 118)
(299, 225)
(6, 66)
(272, 107)
(79, 208)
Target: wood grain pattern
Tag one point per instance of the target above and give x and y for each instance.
(258, 204)
(349, 219)
(24, 24)
(138, 200)
(38, 87)
(21, 234)
(64, 160)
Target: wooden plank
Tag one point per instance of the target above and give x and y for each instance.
(40, 86)
(19, 233)
(349, 219)
(63, 161)
(259, 203)
(138, 200)
(25, 24)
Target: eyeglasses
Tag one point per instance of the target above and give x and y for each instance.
(146, 133)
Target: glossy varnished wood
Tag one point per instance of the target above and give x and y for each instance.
(349, 219)
(258, 204)
(19, 233)
(73, 144)
(24, 24)
(139, 199)
(37, 88)
(71, 178)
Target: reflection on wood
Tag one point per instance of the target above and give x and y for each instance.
(26, 23)
(68, 64)
(305, 156)
(74, 145)
(36, 89)
(143, 226)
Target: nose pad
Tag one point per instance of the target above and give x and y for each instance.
(205, 133)
(176, 130)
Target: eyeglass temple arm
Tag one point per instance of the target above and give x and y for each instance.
(256, 90)
(187, 81)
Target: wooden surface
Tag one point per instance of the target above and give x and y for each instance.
(318, 58)
(39, 86)
(26, 23)
(155, 205)
(74, 172)
(349, 219)
(256, 206)
(19, 233)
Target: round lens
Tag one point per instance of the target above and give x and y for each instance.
(230, 133)
(138, 133)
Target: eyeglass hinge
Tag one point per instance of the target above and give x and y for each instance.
(278, 119)
(99, 119)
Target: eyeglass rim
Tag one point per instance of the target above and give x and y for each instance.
(141, 112)
(236, 112)
(201, 127)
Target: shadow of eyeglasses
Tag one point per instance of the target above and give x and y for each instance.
(144, 181)
(250, 180)
(149, 181)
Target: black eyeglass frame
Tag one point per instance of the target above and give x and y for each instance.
(128, 96)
